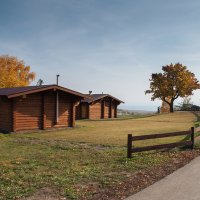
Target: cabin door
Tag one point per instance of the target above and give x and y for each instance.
(84, 111)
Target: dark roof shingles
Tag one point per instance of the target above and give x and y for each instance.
(16, 90)
(95, 97)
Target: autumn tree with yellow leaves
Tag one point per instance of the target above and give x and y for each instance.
(14, 72)
(175, 81)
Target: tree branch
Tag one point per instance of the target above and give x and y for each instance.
(166, 101)
(177, 95)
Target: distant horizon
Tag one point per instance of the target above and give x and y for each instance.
(139, 107)
(153, 107)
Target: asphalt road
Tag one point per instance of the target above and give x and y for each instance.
(183, 184)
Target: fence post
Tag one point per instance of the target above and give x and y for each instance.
(192, 137)
(129, 146)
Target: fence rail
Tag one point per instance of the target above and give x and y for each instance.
(131, 138)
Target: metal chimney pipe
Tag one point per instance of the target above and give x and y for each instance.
(57, 78)
(57, 101)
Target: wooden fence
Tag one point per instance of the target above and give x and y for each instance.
(131, 138)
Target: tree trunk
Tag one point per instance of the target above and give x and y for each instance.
(171, 107)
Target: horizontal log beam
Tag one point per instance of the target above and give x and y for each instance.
(162, 135)
(161, 146)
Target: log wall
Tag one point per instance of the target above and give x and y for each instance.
(107, 110)
(95, 111)
(49, 109)
(82, 111)
(5, 115)
(78, 112)
(37, 111)
(113, 107)
(66, 111)
(101, 109)
(28, 112)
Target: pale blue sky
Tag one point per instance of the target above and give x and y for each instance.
(109, 46)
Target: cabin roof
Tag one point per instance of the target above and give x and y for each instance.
(94, 97)
(18, 91)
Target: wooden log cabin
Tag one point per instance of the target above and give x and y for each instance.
(37, 107)
(98, 106)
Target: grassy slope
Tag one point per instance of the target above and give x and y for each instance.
(114, 132)
(60, 160)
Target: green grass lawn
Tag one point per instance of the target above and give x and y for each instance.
(114, 132)
(77, 162)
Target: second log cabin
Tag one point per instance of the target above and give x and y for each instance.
(98, 106)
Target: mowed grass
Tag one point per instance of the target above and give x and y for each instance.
(114, 132)
(78, 162)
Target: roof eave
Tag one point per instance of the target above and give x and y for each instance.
(106, 95)
(47, 88)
